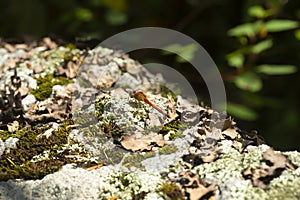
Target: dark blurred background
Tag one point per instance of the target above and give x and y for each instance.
(259, 99)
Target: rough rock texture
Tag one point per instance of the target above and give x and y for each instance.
(69, 129)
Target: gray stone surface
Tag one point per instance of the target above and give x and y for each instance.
(77, 183)
(72, 182)
(117, 181)
(2, 147)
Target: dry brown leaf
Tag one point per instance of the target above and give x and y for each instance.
(215, 133)
(250, 138)
(231, 133)
(278, 159)
(195, 186)
(228, 123)
(21, 46)
(70, 69)
(48, 42)
(271, 167)
(10, 47)
(202, 151)
(171, 108)
(211, 156)
(134, 143)
(198, 193)
(51, 109)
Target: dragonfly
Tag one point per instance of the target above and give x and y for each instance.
(141, 96)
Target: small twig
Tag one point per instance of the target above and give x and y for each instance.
(94, 167)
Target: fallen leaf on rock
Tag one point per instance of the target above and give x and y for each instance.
(210, 156)
(250, 138)
(195, 187)
(49, 43)
(50, 109)
(21, 46)
(231, 133)
(229, 129)
(189, 113)
(70, 69)
(171, 108)
(10, 47)
(134, 143)
(228, 123)
(272, 165)
(202, 152)
(215, 133)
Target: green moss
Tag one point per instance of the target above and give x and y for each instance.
(171, 190)
(108, 127)
(45, 84)
(168, 149)
(135, 159)
(4, 135)
(99, 107)
(84, 119)
(18, 163)
(174, 129)
(70, 46)
(111, 130)
(111, 155)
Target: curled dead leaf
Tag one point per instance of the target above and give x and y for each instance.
(195, 187)
(134, 143)
(231, 133)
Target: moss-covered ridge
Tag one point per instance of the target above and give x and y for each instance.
(37, 154)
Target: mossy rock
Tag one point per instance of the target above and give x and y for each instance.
(20, 163)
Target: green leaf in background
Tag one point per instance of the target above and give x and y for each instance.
(116, 18)
(173, 48)
(276, 69)
(262, 46)
(259, 12)
(248, 81)
(277, 25)
(235, 59)
(243, 40)
(185, 53)
(248, 29)
(256, 11)
(241, 112)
